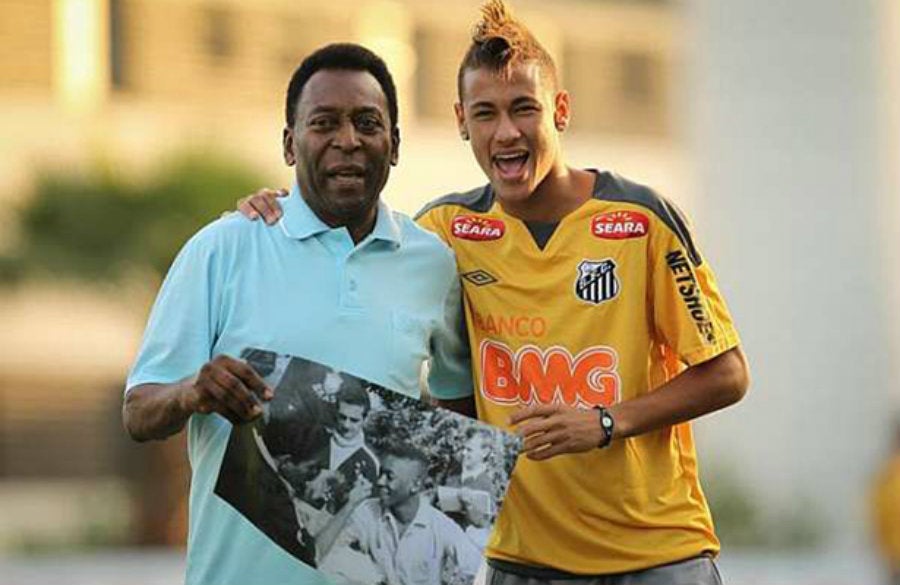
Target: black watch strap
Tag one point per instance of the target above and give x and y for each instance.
(607, 424)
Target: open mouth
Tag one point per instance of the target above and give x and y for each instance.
(347, 174)
(511, 165)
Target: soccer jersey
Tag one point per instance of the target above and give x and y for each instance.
(615, 303)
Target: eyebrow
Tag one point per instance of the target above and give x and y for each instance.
(336, 110)
(525, 100)
(516, 102)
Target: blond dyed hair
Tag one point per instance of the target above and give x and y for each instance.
(500, 42)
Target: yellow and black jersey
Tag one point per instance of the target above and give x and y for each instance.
(604, 306)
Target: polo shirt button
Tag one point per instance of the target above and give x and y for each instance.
(352, 285)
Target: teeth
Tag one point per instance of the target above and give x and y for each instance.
(510, 156)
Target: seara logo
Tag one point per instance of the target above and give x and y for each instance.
(535, 376)
(479, 229)
(620, 225)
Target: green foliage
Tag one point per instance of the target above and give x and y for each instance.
(97, 225)
(736, 512)
(743, 522)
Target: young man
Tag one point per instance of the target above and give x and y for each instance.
(410, 542)
(322, 285)
(596, 329)
(344, 447)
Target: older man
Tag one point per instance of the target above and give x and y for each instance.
(322, 285)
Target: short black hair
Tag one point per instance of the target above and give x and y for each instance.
(341, 56)
(354, 393)
(407, 452)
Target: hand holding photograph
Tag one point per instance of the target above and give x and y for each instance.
(369, 486)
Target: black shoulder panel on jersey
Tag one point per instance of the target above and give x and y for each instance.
(478, 200)
(612, 187)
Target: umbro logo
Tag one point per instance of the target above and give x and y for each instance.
(479, 277)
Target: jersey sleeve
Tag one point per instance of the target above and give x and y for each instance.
(689, 313)
(182, 327)
(430, 219)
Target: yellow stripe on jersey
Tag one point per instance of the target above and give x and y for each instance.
(617, 302)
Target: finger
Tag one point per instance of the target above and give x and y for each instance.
(543, 440)
(251, 379)
(534, 426)
(547, 452)
(210, 404)
(265, 202)
(245, 206)
(232, 392)
(533, 411)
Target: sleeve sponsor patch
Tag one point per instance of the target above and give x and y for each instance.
(691, 293)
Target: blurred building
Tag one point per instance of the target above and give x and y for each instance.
(133, 80)
(794, 131)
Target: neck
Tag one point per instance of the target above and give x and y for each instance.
(355, 440)
(406, 510)
(358, 228)
(562, 191)
(359, 231)
(358, 222)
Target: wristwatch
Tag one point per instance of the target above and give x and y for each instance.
(607, 423)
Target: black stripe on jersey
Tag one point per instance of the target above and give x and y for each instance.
(478, 200)
(612, 187)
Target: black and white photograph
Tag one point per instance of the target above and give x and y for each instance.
(368, 485)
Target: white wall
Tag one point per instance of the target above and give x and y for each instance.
(783, 119)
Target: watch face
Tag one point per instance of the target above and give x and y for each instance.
(607, 421)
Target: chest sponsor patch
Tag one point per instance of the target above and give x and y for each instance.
(620, 225)
(533, 375)
(510, 325)
(478, 229)
(596, 281)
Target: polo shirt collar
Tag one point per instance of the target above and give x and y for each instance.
(423, 514)
(300, 222)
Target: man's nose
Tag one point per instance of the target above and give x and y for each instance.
(346, 137)
(507, 131)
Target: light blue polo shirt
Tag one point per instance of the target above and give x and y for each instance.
(376, 310)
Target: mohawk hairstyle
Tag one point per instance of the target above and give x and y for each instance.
(500, 42)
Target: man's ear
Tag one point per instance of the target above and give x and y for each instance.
(561, 110)
(461, 120)
(287, 142)
(395, 145)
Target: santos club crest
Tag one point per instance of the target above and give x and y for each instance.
(596, 281)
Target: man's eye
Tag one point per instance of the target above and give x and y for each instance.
(321, 123)
(482, 114)
(369, 124)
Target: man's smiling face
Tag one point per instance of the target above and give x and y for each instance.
(342, 145)
(511, 121)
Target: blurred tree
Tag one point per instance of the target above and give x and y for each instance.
(744, 520)
(99, 224)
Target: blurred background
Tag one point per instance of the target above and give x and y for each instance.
(127, 124)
